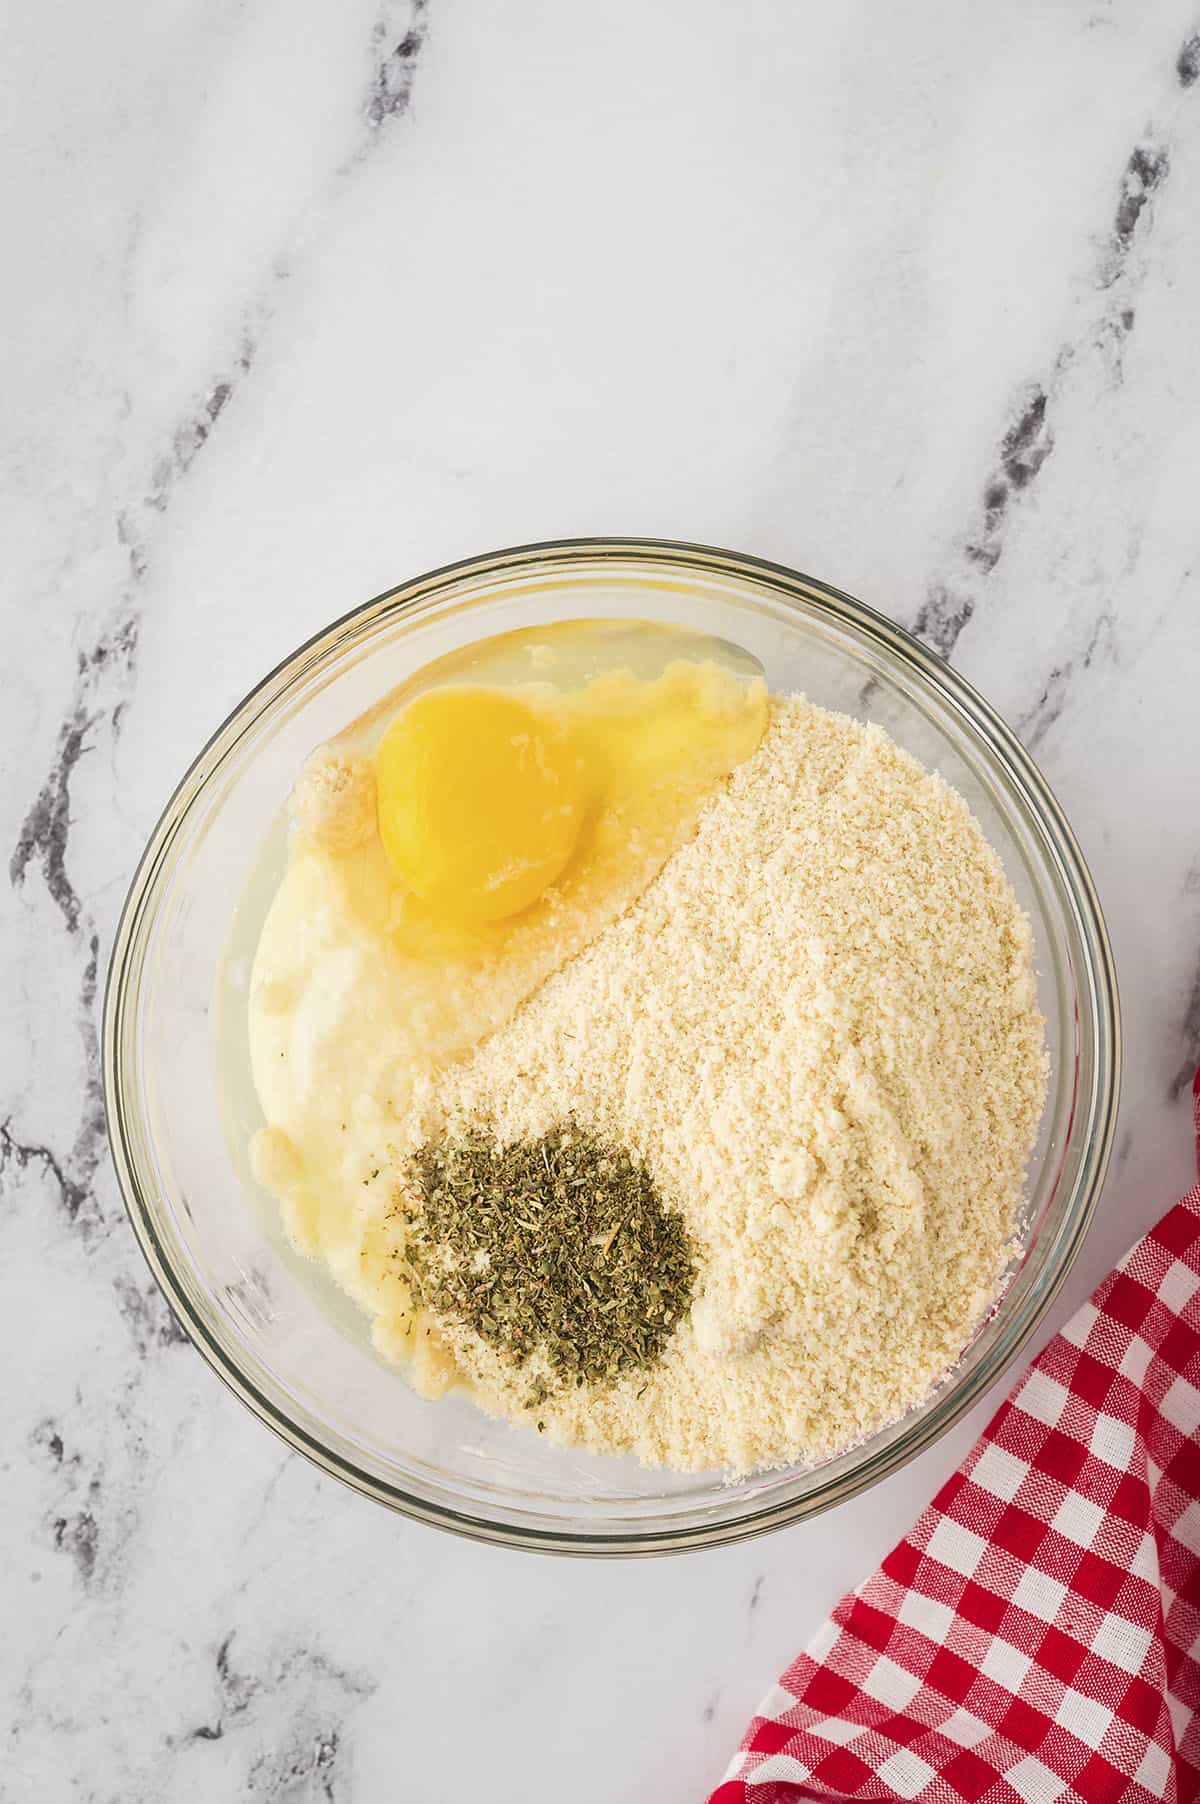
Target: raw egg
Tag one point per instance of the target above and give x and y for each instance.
(571, 781)
(481, 797)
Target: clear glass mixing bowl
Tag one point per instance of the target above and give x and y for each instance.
(291, 1347)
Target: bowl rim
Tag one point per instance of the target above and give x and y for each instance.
(1001, 745)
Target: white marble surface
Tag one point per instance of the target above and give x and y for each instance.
(302, 299)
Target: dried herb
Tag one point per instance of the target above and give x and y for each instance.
(559, 1247)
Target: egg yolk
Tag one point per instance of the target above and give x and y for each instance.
(481, 798)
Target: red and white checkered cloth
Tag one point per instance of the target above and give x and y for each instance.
(1036, 1638)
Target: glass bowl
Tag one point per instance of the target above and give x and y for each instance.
(297, 1352)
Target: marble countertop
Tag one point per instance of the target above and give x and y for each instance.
(302, 301)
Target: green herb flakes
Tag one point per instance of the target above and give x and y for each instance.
(559, 1247)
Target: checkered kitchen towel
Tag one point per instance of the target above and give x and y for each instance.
(1036, 1638)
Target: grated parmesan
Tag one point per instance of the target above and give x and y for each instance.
(818, 1028)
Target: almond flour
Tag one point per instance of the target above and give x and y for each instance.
(818, 1030)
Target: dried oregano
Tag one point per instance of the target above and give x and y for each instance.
(558, 1247)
